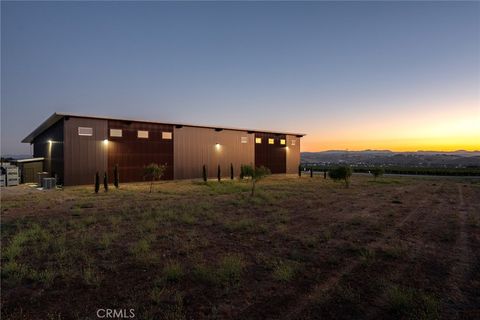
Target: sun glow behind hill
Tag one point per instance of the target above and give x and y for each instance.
(448, 131)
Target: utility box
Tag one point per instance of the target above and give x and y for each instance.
(28, 169)
(49, 183)
(41, 176)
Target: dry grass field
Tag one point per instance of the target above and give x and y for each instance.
(302, 248)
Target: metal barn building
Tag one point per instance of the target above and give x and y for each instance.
(75, 147)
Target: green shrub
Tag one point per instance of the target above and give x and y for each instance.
(105, 182)
(116, 177)
(377, 172)
(97, 182)
(341, 173)
(256, 174)
(154, 172)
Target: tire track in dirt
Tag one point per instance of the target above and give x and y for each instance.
(418, 249)
(456, 300)
(298, 303)
(416, 214)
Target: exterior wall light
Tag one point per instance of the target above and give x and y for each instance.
(105, 142)
(217, 146)
(50, 141)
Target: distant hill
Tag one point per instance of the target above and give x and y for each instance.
(460, 158)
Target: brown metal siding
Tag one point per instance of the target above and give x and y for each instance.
(195, 147)
(29, 171)
(272, 156)
(293, 154)
(84, 155)
(53, 153)
(132, 153)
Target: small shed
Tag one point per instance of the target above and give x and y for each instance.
(29, 169)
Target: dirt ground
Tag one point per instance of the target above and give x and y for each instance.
(302, 248)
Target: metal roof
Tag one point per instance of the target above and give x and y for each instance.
(57, 116)
(28, 160)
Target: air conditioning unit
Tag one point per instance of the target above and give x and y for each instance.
(49, 183)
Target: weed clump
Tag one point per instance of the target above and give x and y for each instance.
(284, 271)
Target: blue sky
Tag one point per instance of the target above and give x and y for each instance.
(349, 74)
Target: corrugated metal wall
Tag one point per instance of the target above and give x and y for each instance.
(84, 155)
(132, 153)
(52, 152)
(195, 147)
(29, 171)
(272, 156)
(293, 154)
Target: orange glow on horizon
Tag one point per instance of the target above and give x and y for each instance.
(394, 145)
(439, 132)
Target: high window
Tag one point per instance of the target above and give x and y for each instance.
(167, 135)
(282, 141)
(271, 141)
(258, 140)
(85, 131)
(244, 139)
(142, 134)
(293, 142)
(115, 132)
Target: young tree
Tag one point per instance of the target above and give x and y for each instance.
(242, 172)
(299, 170)
(204, 173)
(311, 172)
(219, 177)
(105, 182)
(256, 174)
(231, 171)
(116, 178)
(377, 172)
(97, 182)
(154, 172)
(325, 174)
(341, 173)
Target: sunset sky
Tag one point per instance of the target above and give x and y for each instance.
(403, 76)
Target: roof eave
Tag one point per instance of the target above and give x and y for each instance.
(58, 115)
(54, 118)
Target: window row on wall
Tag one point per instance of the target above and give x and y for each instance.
(144, 134)
(141, 134)
(272, 141)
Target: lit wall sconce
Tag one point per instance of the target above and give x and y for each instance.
(217, 146)
(50, 142)
(105, 142)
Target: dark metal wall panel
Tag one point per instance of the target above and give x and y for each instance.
(84, 155)
(29, 171)
(132, 154)
(52, 152)
(293, 154)
(195, 147)
(272, 156)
